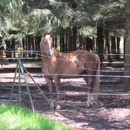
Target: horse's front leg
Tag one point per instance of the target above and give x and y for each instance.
(57, 85)
(50, 86)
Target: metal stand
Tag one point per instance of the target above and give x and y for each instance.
(20, 69)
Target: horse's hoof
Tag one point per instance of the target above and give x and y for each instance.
(52, 107)
(58, 107)
(88, 104)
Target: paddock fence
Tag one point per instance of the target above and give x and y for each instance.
(111, 83)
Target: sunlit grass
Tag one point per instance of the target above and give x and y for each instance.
(19, 118)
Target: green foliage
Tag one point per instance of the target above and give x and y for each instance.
(19, 118)
(38, 16)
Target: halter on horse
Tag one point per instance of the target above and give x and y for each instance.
(57, 65)
(2, 49)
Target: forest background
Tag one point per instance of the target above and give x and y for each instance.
(101, 26)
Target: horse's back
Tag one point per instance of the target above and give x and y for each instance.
(87, 60)
(76, 61)
(83, 56)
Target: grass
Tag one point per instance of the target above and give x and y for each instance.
(14, 117)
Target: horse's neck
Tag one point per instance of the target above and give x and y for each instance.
(57, 53)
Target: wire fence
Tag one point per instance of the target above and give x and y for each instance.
(117, 63)
(102, 92)
(38, 53)
(81, 87)
(70, 91)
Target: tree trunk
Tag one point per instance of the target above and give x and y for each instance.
(113, 46)
(89, 43)
(29, 44)
(24, 47)
(80, 47)
(118, 48)
(124, 47)
(62, 48)
(8, 54)
(66, 42)
(69, 42)
(127, 49)
(1, 40)
(33, 46)
(74, 37)
(13, 47)
(100, 43)
(108, 48)
(60, 42)
(55, 45)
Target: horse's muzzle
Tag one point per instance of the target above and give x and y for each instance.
(50, 55)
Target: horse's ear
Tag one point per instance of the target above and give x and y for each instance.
(44, 34)
(51, 35)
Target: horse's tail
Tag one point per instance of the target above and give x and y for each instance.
(97, 82)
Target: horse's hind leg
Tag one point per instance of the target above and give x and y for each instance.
(90, 82)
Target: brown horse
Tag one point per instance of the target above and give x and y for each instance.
(57, 65)
(2, 49)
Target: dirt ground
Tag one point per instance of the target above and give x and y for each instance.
(111, 112)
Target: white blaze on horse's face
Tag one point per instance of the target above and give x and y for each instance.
(46, 45)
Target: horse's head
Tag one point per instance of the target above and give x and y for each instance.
(3, 47)
(46, 45)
